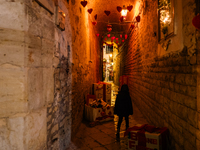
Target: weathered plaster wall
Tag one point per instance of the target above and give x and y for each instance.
(37, 110)
(163, 84)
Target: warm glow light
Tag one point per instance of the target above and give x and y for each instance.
(124, 12)
(165, 17)
(110, 55)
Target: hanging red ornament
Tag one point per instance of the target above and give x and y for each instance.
(95, 17)
(121, 18)
(117, 42)
(125, 36)
(138, 18)
(119, 9)
(116, 39)
(109, 29)
(132, 26)
(108, 35)
(105, 39)
(123, 41)
(94, 23)
(130, 7)
(84, 3)
(196, 21)
(90, 10)
(97, 34)
(107, 12)
(120, 36)
(112, 38)
(109, 26)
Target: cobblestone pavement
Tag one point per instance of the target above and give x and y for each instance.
(102, 136)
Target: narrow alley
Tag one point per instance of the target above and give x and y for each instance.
(103, 135)
(60, 58)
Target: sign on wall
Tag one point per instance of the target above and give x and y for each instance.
(47, 4)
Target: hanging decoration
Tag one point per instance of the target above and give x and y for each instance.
(112, 38)
(122, 41)
(121, 18)
(94, 23)
(105, 39)
(84, 3)
(119, 9)
(97, 34)
(107, 12)
(109, 29)
(138, 18)
(120, 36)
(117, 42)
(196, 21)
(109, 26)
(90, 10)
(108, 35)
(116, 39)
(130, 7)
(95, 17)
(132, 26)
(125, 36)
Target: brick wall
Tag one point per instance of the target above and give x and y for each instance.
(163, 85)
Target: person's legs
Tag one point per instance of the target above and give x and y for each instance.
(127, 122)
(119, 125)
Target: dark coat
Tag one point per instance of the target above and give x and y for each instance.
(123, 104)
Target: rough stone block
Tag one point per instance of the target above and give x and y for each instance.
(192, 91)
(11, 35)
(34, 21)
(198, 143)
(192, 117)
(35, 129)
(191, 79)
(47, 53)
(180, 78)
(16, 136)
(12, 12)
(12, 97)
(33, 57)
(190, 102)
(33, 41)
(12, 107)
(48, 85)
(4, 140)
(47, 29)
(35, 88)
(12, 54)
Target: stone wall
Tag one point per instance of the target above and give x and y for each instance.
(163, 83)
(37, 110)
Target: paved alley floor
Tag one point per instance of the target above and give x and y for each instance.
(102, 136)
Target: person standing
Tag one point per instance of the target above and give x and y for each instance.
(123, 107)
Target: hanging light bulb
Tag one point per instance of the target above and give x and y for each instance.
(124, 12)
